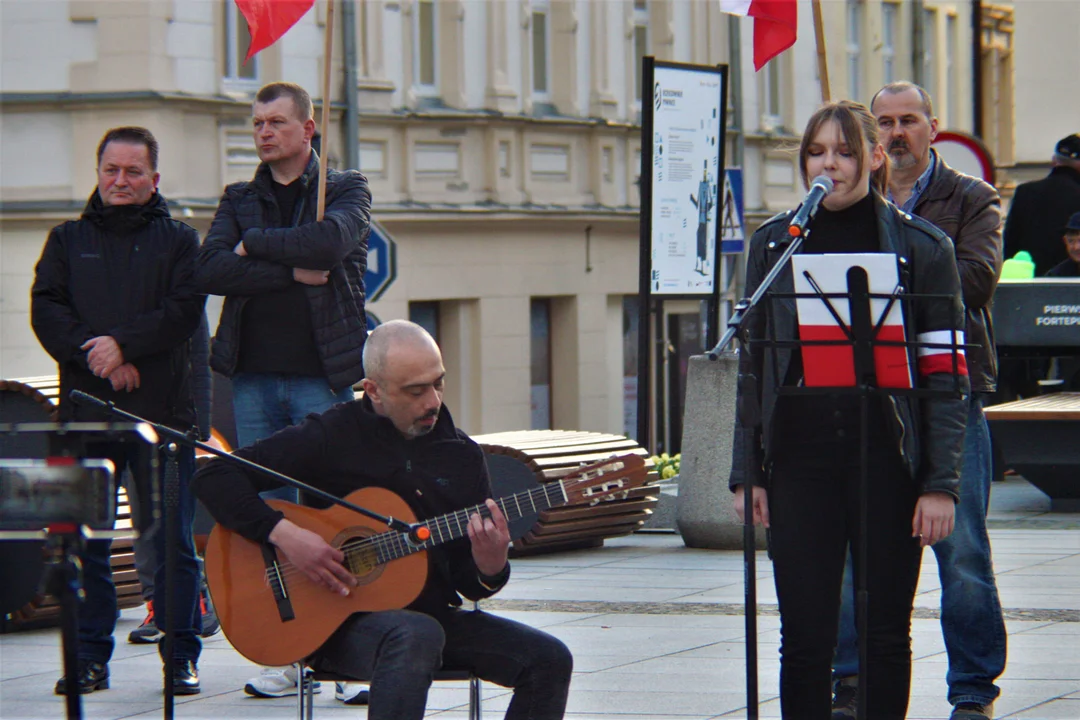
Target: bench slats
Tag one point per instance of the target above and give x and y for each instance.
(1057, 406)
(553, 454)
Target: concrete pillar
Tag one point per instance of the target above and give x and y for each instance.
(704, 514)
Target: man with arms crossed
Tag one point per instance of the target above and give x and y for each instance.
(969, 211)
(292, 326)
(401, 437)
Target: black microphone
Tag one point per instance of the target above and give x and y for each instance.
(819, 189)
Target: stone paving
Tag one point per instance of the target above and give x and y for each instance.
(657, 630)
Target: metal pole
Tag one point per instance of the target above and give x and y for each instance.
(352, 99)
(328, 62)
(976, 69)
(645, 254)
(917, 48)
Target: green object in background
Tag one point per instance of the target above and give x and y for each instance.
(1020, 267)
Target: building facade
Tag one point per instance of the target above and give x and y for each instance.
(501, 138)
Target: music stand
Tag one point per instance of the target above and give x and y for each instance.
(65, 499)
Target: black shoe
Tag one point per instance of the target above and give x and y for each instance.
(845, 698)
(92, 675)
(185, 679)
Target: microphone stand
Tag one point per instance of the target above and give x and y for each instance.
(735, 323)
(393, 523)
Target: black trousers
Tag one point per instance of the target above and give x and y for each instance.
(399, 651)
(814, 509)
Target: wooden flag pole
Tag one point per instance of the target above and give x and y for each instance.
(324, 126)
(819, 37)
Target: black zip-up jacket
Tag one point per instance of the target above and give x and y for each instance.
(128, 272)
(968, 210)
(929, 433)
(275, 245)
(350, 447)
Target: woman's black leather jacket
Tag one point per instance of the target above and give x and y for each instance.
(928, 432)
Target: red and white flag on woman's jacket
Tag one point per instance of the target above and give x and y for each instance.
(775, 24)
(268, 20)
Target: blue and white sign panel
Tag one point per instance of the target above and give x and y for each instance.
(687, 139)
(733, 221)
(381, 262)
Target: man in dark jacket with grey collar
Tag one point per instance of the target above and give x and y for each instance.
(292, 327)
(968, 210)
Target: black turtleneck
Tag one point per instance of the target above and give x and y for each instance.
(851, 230)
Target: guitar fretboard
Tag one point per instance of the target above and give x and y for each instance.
(392, 545)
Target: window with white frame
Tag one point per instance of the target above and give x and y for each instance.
(238, 74)
(952, 66)
(854, 47)
(890, 27)
(929, 37)
(641, 42)
(541, 49)
(425, 47)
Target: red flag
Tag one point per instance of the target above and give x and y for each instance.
(268, 20)
(775, 25)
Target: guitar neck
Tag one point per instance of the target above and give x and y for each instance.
(444, 528)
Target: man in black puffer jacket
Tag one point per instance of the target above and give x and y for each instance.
(114, 302)
(292, 328)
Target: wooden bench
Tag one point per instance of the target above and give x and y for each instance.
(1040, 438)
(520, 459)
(33, 400)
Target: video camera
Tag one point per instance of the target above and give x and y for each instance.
(74, 483)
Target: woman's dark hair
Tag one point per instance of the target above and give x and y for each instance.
(131, 135)
(859, 129)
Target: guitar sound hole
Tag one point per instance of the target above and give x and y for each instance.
(360, 560)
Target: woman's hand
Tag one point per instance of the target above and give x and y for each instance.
(759, 501)
(933, 519)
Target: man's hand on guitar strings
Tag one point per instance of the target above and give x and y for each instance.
(490, 539)
(309, 553)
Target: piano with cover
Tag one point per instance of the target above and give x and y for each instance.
(1037, 435)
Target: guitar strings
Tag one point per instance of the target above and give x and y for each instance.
(391, 545)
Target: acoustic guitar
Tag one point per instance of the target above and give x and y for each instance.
(274, 615)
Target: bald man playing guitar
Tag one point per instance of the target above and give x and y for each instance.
(396, 451)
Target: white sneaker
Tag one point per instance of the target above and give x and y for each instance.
(275, 682)
(351, 693)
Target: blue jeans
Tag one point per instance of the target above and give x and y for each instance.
(264, 403)
(398, 651)
(971, 618)
(97, 612)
